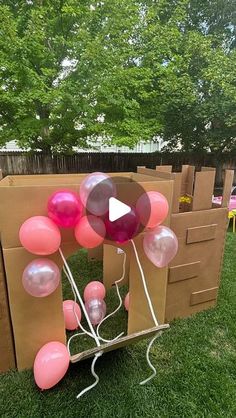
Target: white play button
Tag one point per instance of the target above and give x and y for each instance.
(117, 209)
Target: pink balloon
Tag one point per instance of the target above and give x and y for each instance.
(152, 208)
(51, 364)
(65, 208)
(41, 277)
(70, 308)
(90, 231)
(126, 302)
(39, 235)
(94, 290)
(160, 245)
(95, 192)
(124, 228)
(96, 309)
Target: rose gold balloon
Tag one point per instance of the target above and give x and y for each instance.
(41, 277)
(160, 245)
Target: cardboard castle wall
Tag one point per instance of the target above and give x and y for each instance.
(36, 321)
(194, 274)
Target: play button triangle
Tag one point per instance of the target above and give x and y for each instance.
(117, 209)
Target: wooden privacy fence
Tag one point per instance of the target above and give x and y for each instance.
(38, 163)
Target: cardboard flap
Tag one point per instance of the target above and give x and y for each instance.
(229, 177)
(201, 233)
(176, 192)
(187, 180)
(184, 272)
(203, 190)
(165, 168)
(203, 296)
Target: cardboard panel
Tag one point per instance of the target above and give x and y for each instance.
(7, 355)
(122, 342)
(228, 183)
(208, 253)
(113, 264)
(203, 296)
(139, 317)
(165, 168)
(184, 272)
(187, 180)
(159, 174)
(35, 321)
(201, 233)
(176, 192)
(203, 190)
(95, 253)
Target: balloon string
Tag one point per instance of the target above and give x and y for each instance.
(93, 334)
(153, 317)
(79, 298)
(94, 375)
(75, 300)
(145, 286)
(118, 307)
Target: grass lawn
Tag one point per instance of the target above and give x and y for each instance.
(195, 359)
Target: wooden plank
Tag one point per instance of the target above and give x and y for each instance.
(203, 296)
(201, 233)
(203, 190)
(121, 342)
(228, 183)
(184, 272)
(164, 168)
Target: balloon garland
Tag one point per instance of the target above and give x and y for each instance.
(41, 236)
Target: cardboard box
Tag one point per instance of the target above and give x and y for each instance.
(36, 321)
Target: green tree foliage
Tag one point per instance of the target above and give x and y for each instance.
(123, 69)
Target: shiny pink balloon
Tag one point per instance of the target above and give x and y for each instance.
(160, 245)
(126, 302)
(95, 192)
(41, 277)
(152, 208)
(96, 309)
(51, 364)
(39, 235)
(65, 208)
(124, 228)
(94, 290)
(90, 231)
(71, 309)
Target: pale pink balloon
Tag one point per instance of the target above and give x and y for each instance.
(71, 309)
(41, 277)
(152, 208)
(95, 192)
(65, 208)
(94, 290)
(126, 302)
(90, 231)
(160, 245)
(51, 364)
(96, 309)
(39, 235)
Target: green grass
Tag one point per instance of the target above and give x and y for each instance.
(195, 359)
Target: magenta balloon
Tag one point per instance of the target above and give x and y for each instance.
(41, 277)
(65, 208)
(124, 228)
(95, 192)
(160, 245)
(96, 309)
(51, 364)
